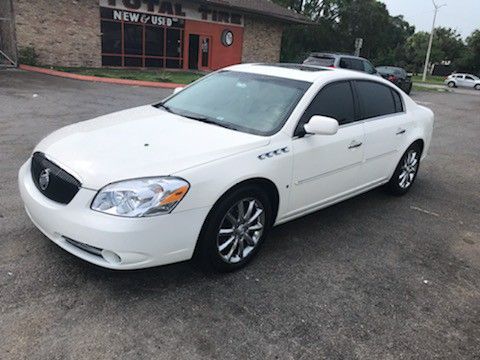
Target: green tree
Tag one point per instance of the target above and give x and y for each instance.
(336, 24)
(470, 61)
(447, 46)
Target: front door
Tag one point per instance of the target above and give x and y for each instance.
(205, 50)
(193, 51)
(327, 167)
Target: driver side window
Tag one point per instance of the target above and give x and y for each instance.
(335, 101)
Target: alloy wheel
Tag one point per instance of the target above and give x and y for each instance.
(409, 169)
(241, 230)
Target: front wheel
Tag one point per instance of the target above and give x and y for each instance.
(477, 87)
(406, 172)
(235, 229)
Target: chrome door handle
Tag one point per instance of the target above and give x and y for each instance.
(355, 144)
(401, 131)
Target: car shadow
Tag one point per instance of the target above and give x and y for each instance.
(186, 273)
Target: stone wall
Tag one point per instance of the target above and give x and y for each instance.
(262, 40)
(62, 32)
(7, 32)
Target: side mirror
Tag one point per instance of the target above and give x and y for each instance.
(177, 90)
(321, 125)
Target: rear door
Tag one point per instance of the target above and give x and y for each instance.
(327, 166)
(386, 127)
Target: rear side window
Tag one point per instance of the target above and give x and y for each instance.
(397, 100)
(335, 101)
(352, 64)
(320, 61)
(376, 99)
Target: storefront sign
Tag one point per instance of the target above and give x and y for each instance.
(134, 17)
(172, 9)
(220, 16)
(160, 7)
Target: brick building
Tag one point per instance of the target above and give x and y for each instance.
(178, 34)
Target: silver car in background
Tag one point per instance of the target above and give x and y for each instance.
(463, 80)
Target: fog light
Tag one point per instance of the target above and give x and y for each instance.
(111, 257)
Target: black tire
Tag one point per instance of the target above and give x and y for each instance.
(207, 253)
(451, 84)
(477, 87)
(398, 185)
(409, 89)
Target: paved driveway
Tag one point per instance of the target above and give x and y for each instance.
(375, 277)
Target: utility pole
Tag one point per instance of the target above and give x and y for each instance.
(430, 42)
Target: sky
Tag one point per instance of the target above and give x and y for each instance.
(462, 15)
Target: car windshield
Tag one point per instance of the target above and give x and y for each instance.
(252, 103)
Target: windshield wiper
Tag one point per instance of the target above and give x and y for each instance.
(197, 117)
(207, 120)
(163, 106)
(213, 122)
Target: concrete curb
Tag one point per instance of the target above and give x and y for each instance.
(101, 79)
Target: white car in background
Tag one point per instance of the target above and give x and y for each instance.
(463, 80)
(207, 172)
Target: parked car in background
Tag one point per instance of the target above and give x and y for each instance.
(398, 76)
(463, 80)
(343, 61)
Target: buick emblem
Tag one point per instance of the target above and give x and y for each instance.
(44, 179)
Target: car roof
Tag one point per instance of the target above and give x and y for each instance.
(302, 72)
(336, 54)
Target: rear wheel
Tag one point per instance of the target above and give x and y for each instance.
(235, 230)
(406, 172)
(451, 84)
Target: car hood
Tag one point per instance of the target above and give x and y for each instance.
(140, 142)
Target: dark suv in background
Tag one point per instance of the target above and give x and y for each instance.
(398, 76)
(343, 61)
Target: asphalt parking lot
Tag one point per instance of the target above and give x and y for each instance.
(375, 277)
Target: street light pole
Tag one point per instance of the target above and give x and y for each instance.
(430, 42)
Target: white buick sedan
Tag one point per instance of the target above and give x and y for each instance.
(207, 172)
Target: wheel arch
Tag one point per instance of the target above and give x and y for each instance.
(267, 185)
(421, 143)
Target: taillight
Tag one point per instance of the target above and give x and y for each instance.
(392, 78)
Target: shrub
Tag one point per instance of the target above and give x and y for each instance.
(28, 56)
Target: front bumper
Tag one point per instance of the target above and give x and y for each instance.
(110, 241)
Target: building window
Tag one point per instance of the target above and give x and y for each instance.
(130, 39)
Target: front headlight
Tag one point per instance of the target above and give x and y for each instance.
(141, 197)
